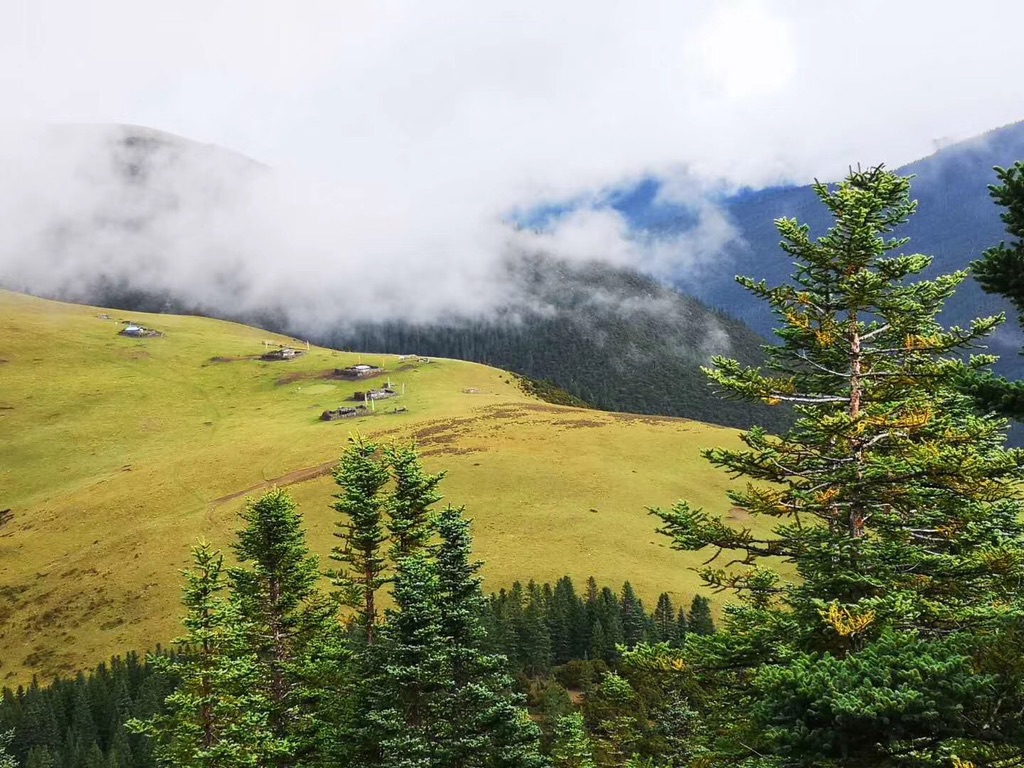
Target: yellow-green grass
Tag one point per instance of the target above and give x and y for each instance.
(117, 454)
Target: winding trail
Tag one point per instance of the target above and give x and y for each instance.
(291, 478)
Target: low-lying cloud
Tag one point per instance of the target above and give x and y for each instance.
(398, 141)
(130, 206)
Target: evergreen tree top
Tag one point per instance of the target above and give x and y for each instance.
(890, 495)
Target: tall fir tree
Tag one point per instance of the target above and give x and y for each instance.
(665, 630)
(291, 624)
(362, 502)
(634, 617)
(893, 499)
(534, 637)
(485, 723)
(682, 627)
(410, 523)
(413, 676)
(700, 621)
(218, 714)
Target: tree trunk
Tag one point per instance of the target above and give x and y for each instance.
(856, 390)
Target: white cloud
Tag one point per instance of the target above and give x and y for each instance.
(426, 123)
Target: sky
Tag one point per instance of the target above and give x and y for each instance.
(410, 132)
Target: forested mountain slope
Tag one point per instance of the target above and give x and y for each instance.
(615, 338)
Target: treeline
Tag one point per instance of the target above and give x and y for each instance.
(79, 722)
(540, 627)
(549, 636)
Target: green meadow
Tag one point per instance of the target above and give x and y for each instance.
(117, 454)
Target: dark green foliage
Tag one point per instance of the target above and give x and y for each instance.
(895, 501)
(613, 338)
(634, 617)
(428, 691)
(486, 724)
(646, 712)
(217, 715)
(682, 627)
(289, 625)
(606, 626)
(826, 708)
(410, 524)
(41, 717)
(700, 621)
(538, 632)
(361, 501)
(412, 677)
(665, 628)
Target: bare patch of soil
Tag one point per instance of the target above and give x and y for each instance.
(291, 478)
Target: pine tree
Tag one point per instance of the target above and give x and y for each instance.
(572, 747)
(415, 491)
(362, 502)
(534, 638)
(634, 617)
(291, 624)
(682, 628)
(563, 621)
(606, 626)
(413, 676)
(484, 724)
(217, 715)
(893, 499)
(665, 630)
(700, 621)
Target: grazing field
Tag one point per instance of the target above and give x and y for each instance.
(118, 453)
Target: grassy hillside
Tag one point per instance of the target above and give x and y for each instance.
(118, 453)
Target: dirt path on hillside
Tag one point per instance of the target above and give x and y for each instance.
(292, 478)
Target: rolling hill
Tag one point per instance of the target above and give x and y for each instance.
(119, 452)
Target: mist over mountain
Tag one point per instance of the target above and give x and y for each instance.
(612, 337)
(955, 221)
(143, 220)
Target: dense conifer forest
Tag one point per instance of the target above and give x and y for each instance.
(558, 642)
